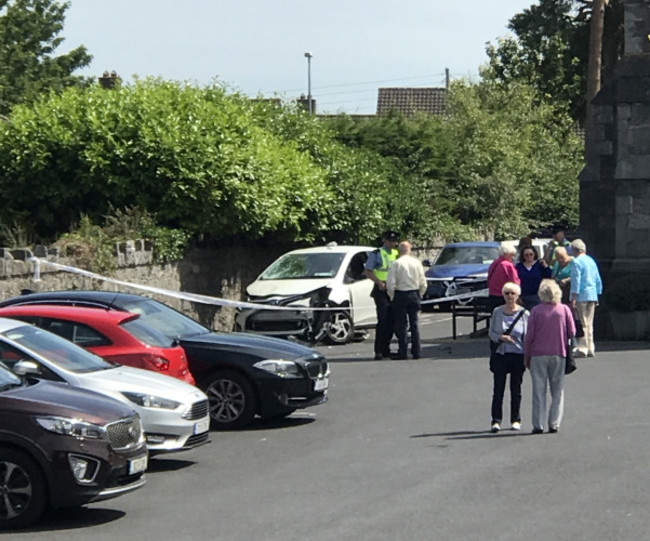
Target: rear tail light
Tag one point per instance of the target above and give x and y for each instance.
(157, 363)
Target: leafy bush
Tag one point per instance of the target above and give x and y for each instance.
(90, 246)
(93, 246)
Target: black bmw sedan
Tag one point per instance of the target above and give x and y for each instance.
(243, 375)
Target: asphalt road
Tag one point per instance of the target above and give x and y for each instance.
(402, 451)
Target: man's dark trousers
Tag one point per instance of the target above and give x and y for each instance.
(385, 322)
(406, 305)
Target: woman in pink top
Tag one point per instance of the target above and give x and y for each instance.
(550, 326)
(501, 270)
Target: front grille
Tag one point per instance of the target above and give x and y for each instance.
(197, 411)
(124, 433)
(316, 368)
(197, 439)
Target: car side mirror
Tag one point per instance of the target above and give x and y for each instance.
(24, 368)
(426, 263)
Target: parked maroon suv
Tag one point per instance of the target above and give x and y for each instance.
(63, 446)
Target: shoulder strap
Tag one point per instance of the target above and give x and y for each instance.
(514, 322)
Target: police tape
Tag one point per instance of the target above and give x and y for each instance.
(218, 301)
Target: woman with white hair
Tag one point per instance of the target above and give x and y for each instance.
(501, 270)
(507, 332)
(586, 286)
(562, 272)
(550, 326)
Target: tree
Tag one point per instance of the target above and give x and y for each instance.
(516, 161)
(550, 50)
(29, 37)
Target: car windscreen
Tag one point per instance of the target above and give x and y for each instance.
(164, 319)
(467, 255)
(146, 333)
(301, 266)
(56, 349)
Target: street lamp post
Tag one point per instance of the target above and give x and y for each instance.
(308, 56)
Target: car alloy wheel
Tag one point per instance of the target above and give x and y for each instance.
(231, 398)
(339, 329)
(22, 490)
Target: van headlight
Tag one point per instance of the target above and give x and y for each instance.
(71, 427)
(279, 367)
(152, 401)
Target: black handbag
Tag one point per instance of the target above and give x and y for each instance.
(570, 365)
(580, 332)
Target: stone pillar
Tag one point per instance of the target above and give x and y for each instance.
(615, 183)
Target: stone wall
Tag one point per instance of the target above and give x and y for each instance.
(222, 272)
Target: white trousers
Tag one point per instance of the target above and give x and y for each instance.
(586, 312)
(543, 369)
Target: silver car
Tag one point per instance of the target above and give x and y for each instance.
(174, 413)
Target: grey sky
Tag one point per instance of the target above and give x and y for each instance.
(258, 46)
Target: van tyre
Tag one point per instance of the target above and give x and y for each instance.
(232, 400)
(22, 490)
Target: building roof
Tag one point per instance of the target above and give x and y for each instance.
(409, 101)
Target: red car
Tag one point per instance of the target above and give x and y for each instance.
(113, 335)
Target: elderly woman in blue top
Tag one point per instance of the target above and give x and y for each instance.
(509, 355)
(586, 286)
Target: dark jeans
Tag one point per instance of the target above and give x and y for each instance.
(406, 305)
(512, 363)
(385, 322)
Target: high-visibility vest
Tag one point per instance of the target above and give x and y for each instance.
(387, 259)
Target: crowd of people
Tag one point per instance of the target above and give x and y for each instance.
(542, 311)
(545, 313)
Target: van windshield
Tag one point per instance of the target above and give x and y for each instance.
(304, 266)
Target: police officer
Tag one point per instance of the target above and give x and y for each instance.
(376, 268)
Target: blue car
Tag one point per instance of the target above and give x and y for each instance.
(461, 267)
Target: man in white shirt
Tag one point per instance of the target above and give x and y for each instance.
(405, 285)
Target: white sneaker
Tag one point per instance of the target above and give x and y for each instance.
(516, 425)
(496, 427)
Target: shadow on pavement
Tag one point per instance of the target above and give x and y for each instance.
(73, 518)
(275, 424)
(473, 434)
(159, 464)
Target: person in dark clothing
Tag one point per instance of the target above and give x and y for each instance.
(531, 271)
(376, 269)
